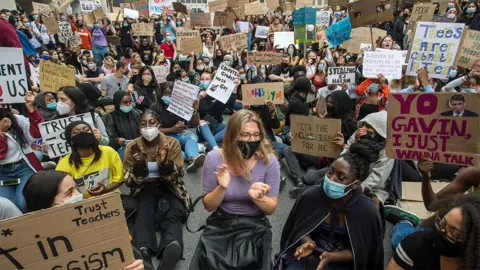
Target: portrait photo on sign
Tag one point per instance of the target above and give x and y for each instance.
(458, 106)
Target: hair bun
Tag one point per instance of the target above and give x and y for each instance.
(367, 149)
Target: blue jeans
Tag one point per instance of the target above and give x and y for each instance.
(15, 193)
(402, 230)
(188, 140)
(286, 132)
(99, 52)
(212, 136)
(237, 106)
(279, 147)
(300, 264)
(121, 152)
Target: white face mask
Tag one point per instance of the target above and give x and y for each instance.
(451, 16)
(63, 108)
(150, 133)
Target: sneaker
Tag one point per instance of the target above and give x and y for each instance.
(216, 148)
(201, 148)
(171, 255)
(196, 163)
(49, 165)
(395, 214)
(146, 256)
(295, 191)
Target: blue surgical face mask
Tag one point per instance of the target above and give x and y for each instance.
(333, 189)
(74, 199)
(95, 25)
(452, 73)
(125, 109)
(27, 24)
(373, 88)
(470, 10)
(468, 90)
(35, 17)
(52, 106)
(166, 100)
(320, 66)
(45, 57)
(451, 5)
(243, 77)
(36, 61)
(204, 85)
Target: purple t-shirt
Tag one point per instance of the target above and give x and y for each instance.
(236, 200)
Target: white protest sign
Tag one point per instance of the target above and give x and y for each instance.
(403, 53)
(282, 40)
(242, 26)
(13, 78)
(183, 97)
(261, 32)
(223, 84)
(53, 133)
(365, 47)
(434, 47)
(339, 75)
(161, 73)
(323, 18)
(130, 13)
(159, 6)
(388, 63)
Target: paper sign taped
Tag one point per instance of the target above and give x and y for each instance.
(434, 47)
(91, 233)
(314, 136)
(222, 85)
(183, 97)
(54, 76)
(282, 40)
(438, 126)
(388, 63)
(259, 93)
(339, 75)
(53, 133)
(261, 32)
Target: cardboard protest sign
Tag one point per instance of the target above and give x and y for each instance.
(281, 40)
(288, 6)
(412, 199)
(185, 34)
(89, 19)
(130, 13)
(470, 50)
(339, 32)
(142, 29)
(13, 77)
(341, 3)
(323, 18)
(366, 47)
(53, 133)
(114, 40)
(271, 4)
(53, 76)
(403, 53)
(368, 12)
(303, 3)
(99, 14)
(304, 20)
(89, 5)
(260, 93)
(90, 233)
(193, 44)
(200, 19)
(261, 32)
(442, 6)
(362, 35)
(234, 42)
(339, 75)
(141, 7)
(51, 24)
(388, 63)
(126, 5)
(264, 58)
(223, 84)
(434, 46)
(438, 126)
(242, 26)
(238, 7)
(161, 73)
(223, 19)
(179, 7)
(183, 97)
(422, 12)
(41, 8)
(158, 6)
(313, 136)
(60, 5)
(255, 8)
(219, 5)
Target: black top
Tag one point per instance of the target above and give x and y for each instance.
(284, 73)
(94, 74)
(298, 105)
(167, 118)
(417, 251)
(367, 109)
(144, 96)
(146, 53)
(213, 107)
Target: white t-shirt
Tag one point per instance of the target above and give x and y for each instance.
(324, 91)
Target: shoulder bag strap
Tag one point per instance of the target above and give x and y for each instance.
(191, 210)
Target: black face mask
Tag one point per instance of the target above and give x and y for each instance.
(447, 248)
(248, 149)
(284, 66)
(83, 140)
(331, 110)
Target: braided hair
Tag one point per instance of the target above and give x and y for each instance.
(361, 154)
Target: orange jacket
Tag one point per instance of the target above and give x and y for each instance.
(362, 90)
(85, 37)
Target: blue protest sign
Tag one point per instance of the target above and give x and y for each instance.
(339, 32)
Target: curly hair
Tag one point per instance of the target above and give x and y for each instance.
(361, 154)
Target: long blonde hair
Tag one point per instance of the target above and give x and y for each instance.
(231, 153)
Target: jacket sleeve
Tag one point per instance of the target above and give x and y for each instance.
(3, 146)
(104, 140)
(175, 152)
(112, 136)
(362, 88)
(385, 91)
(380, 173)
(35, 118)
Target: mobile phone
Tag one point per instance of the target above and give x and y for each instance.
(10, 182)
(135, 148)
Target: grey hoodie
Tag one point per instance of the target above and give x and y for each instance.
(379, 178)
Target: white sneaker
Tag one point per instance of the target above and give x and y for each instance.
(196, 163)
(202, 148)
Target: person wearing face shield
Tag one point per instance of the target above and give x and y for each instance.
(52, 188)
(372, 96)
(153, 170)
(329, 222)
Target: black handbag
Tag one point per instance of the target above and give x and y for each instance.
(233, 242)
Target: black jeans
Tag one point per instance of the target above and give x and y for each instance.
(440, 171)
(173, 215)
(295, 159)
